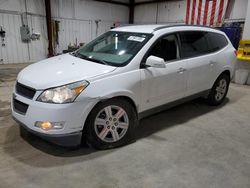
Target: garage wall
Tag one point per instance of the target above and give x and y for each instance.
(77, 22)
(15, 50)
(239, 9)
(77, 19)
(175, 11)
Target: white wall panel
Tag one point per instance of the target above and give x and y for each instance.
(35, 6)
(77, 21)
(246, 32)
(98, 10)
(89, 10)
(71, 30)
(239, 9)
(12, 5)
(104, 27)
(15, 50)
(82, 31)
(38, 48)
(66, 8)
(173, 11)
(145, 14)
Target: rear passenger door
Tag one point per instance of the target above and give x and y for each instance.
(195, 53)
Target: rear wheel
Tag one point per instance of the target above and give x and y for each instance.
(111, 124)
(219, 90)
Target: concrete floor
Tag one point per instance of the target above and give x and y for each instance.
(192, 145)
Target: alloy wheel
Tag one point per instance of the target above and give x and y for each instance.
(111, 123)
(221, 89)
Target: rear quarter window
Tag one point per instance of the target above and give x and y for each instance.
(193, 43)
(216, 41)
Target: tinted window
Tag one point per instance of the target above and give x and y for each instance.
(165, 48)
(193, 43)
(216, 41)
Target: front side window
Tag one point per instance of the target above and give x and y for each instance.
(114, 48)
(166, 48)
(193, 43)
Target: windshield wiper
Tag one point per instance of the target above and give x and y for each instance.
(90, 59)
(99, 61)
(72, 53)
(76, 54)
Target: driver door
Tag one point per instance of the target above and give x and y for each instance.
(164, 85)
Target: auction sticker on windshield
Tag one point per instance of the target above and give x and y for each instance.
(137, 39)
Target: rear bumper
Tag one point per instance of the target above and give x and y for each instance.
(66, 140)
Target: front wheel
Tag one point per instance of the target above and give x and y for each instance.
(111, 124)
(219, 90)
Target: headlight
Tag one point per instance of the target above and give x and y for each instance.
(63, 94)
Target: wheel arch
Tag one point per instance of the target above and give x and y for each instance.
(128, 99)
(122, 97)
(227, 72)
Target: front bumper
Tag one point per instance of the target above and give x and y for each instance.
(72, 114)
(66, 140)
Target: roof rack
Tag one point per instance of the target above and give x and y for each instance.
(177, 25)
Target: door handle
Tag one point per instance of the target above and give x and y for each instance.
(181, 70)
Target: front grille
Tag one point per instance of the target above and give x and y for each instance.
(25, 91)
(20, 107)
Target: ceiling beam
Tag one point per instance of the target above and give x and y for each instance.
(114, 2)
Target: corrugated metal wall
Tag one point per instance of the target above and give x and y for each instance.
(16, 51)
(80, 31)
(175, 11)
(77, 22)
(37, 49)
(71, 31)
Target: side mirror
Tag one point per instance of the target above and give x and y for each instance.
(156, 62)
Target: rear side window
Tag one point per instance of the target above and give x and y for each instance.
(216, 41)
(193, 43)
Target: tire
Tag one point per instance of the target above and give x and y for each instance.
(111, 124)
(219, 90)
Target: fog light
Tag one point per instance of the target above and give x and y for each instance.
(46, 125)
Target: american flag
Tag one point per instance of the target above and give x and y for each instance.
(206, 12)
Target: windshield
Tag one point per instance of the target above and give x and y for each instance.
(113, 48)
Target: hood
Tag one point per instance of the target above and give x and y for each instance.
(60, 70)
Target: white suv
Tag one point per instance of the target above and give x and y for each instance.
(103, 89)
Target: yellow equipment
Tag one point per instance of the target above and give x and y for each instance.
(243, 52)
